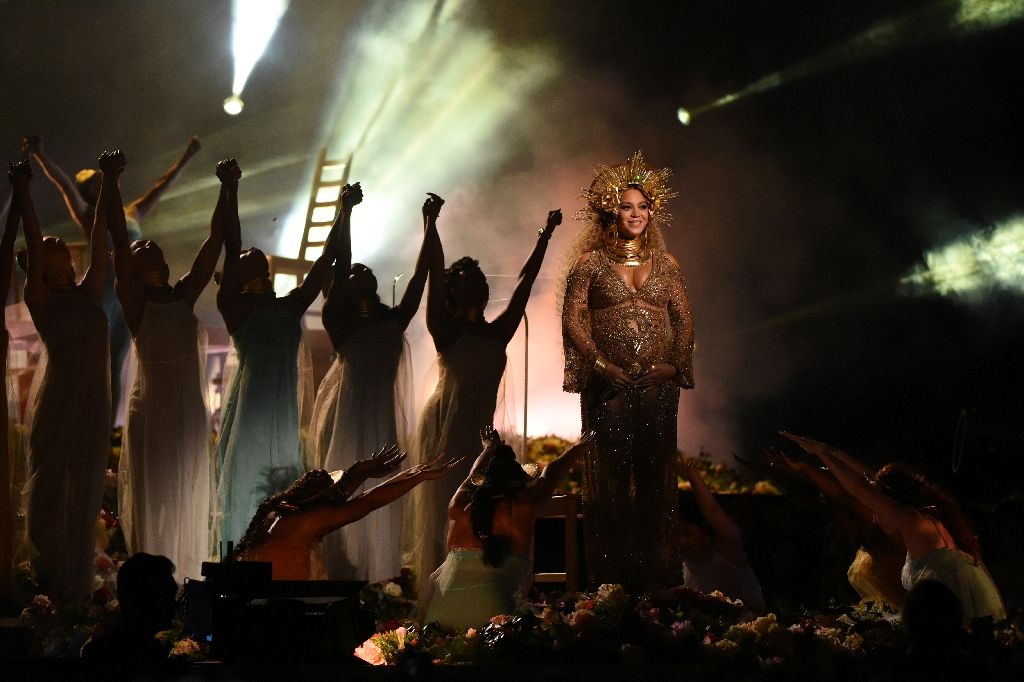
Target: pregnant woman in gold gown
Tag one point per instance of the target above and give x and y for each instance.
(628, 341)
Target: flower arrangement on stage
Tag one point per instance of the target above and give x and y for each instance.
(390, 601)
(708, 635)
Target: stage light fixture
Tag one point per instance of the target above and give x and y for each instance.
(683, 115)
(233, 105)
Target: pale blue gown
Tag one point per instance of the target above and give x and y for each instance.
(260, 448)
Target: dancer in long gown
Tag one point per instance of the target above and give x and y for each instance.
(80, 196)
(360, 402)
(493, 513)
(287, 526)
(471, 360)
(164, 476)
(628, 342)
(940, 543)
(7, 510)
(69, 442)
(260, 442)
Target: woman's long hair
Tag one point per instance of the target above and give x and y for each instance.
(504, 479)
(311, 489)
(907, 486)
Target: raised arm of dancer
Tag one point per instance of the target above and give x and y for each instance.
(508, 321)
(108, 211)
(192, 284)
(557, 470)
(300, 298)
(229, 291)
(351, 196)
(823, 481)
(80, 210)
(327, 518)
(489, 439)
(380, 463)
(129, 290)
(414, 290)
(20, 175)
(729, 540)
(142, 206)
(440, 323)
(888, 511)
(13, 213)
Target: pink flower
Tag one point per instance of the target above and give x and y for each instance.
(681, 627)
(400, 634)
(500, 619)
(584, 621)
(370, 653)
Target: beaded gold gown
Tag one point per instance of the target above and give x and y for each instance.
(629, 483)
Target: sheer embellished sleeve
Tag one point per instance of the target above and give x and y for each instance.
(681, 318)
(577, 343)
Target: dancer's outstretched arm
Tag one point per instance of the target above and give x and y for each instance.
(508, 321)
(230, 284)
(729, 540)
(81, 211)
(325, 519)
(380, 463)
(341, 246)
(108, 211)
(142, 206)
(301, 297)
(440, 323)
(822, 480)
(557, 470)
(7, 243)
(20, 176)
(414, 290)
(192, 284)
(489, 439)
(884, 507)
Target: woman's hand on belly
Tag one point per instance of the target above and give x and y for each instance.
(657, 374)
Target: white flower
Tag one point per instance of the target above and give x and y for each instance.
(393, 590)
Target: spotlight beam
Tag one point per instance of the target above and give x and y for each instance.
(935, 21)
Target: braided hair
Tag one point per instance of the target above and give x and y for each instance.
(504, 478)
(313, 488)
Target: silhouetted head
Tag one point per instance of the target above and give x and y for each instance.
(504, 478)
(146, 590)
(361, 281)
(87, 181)
(55, 262)
(466, 286)
(694, 535)
(254, 271)
(149, 263)
(932, 617)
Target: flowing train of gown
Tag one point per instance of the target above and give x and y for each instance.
(630, 498)
(164, 478)
(69, 444)
(359, 408)
(260, 450)
(463, 402)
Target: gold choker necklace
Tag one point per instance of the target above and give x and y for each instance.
(629, 252)
(153, 279)
(365, 307)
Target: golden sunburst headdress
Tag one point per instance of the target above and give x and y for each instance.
(604, 193)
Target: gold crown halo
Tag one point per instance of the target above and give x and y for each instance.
(603, 195)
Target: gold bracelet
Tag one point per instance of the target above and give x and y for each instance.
(600, 363)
